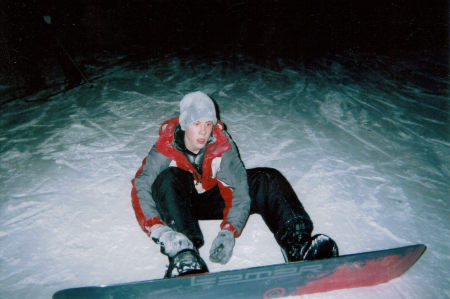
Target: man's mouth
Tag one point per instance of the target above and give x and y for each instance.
(201, 140)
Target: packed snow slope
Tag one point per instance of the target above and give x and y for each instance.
(364, 141)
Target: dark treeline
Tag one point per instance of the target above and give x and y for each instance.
(258, 28)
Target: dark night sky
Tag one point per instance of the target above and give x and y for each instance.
(254, 25)
(257, 28)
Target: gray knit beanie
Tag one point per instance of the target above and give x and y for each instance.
(196, 106)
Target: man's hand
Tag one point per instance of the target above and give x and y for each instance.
(222, 247)
(171, 242)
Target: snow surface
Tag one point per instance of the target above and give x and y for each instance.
(366, 147)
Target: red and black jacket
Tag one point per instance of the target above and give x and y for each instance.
(221, 166)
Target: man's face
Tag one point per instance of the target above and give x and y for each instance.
(197, 134)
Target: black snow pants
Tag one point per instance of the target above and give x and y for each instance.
(181, 207)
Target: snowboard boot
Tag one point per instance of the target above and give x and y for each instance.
(320, 247)
(300, 247)
(186, 262)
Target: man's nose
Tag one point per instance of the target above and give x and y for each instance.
(202, 129)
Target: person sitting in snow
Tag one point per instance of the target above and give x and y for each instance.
(193, 173)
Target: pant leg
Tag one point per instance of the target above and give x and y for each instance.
(275, 200)
(174, 192)
(180, 206)
(209, 205)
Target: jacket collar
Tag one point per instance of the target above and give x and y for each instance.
(165, 145)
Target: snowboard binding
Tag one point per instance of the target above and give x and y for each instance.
(186, 262)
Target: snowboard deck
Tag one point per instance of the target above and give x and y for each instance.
(273, 281)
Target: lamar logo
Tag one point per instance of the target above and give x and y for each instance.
(256, 274)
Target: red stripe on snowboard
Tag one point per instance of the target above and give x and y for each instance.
(360, 274)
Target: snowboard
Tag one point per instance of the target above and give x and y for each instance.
(273, 281)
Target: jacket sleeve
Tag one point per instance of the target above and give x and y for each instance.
(143, 204)
(232, 174)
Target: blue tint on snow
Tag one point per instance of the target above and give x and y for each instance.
(366, 148)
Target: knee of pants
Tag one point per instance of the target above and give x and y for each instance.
(268, 189)
(170, 177)
(272, 173)
(269, 176)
